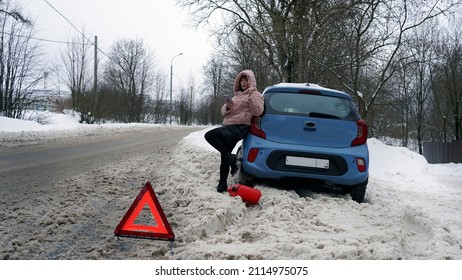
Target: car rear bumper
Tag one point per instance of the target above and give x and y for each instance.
(270, 163)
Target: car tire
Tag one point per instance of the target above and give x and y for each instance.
(358, 191)
(243, 177)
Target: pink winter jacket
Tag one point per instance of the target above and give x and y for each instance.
(246, 104)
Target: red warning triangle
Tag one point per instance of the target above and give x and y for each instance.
(160, 229)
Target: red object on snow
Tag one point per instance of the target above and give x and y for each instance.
(158, 229)
(248, 194)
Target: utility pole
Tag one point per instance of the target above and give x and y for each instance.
(95, 76)
(95, 65)
(191, 104)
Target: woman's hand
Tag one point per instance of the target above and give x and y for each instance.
(251, 90)
(230, 104)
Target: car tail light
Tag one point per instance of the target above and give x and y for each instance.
(253, 153)
(361, 163)
(361, 136)
(255, 128)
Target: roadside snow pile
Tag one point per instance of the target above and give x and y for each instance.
(40, 121)
(14, 125)
(399, 163)
(409, 213)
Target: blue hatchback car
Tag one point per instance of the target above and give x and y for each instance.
(307, 132)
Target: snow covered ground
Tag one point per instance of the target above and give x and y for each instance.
(412, 210)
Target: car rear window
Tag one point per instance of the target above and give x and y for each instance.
(312, 105)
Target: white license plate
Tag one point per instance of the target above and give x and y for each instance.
(307, 162)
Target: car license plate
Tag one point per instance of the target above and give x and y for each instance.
(307, 162)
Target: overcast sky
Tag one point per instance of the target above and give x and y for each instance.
(159, 23)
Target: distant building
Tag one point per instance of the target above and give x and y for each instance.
(48, 100)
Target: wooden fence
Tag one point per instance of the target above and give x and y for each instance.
(443, 152)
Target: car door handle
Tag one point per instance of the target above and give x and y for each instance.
(310, 126)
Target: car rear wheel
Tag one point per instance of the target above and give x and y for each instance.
(358, 191)
(243, 177)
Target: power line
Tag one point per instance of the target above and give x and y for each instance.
(47, 40)
(78, 30)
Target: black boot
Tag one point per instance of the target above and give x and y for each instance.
(222, 187)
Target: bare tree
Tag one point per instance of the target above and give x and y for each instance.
(19, 61)
(237, 53)
(214, 87)
(413, 84)
(130, 71)
(378, 30)
(13, 12)
(403, 83)
(279, 31)
(184, 107)
(352, 41)
(191, 97)
(158, 105)
(76, 61)
(423, 56)
(447, 85)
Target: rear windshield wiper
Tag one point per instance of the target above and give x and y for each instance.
(322, 115)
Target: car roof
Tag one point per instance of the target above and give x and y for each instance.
(297, 87)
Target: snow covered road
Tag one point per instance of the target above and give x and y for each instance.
(44, 162)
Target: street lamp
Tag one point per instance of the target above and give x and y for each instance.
(171, 77)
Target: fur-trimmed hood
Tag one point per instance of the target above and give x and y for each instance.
(250, 78)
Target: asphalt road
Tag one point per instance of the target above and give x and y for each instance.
(34, 165)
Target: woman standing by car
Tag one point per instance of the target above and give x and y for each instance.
(238, 111)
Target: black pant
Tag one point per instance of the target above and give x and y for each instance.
(224, 139)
